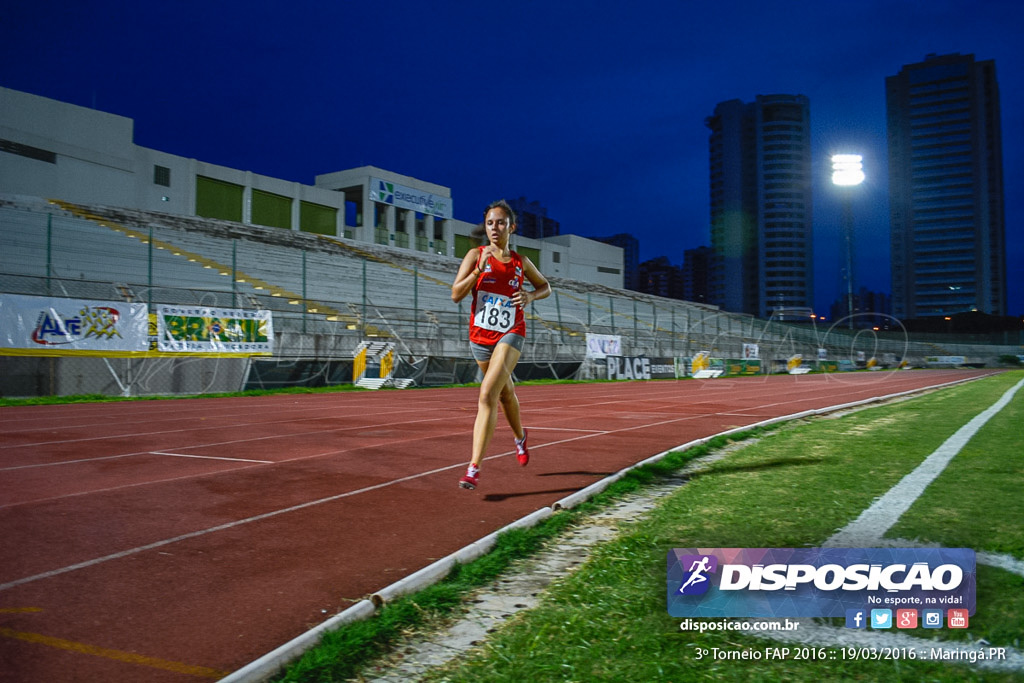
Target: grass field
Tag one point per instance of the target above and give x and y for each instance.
(791, 487)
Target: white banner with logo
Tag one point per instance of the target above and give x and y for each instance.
(404, 197)
(39, 325)
(603, 345)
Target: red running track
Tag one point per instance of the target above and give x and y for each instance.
(177, 540)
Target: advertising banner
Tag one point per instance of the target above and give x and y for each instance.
(628, 367)
(944, 361)
(603, 345)
(37, 325)
(640, 367)
(663, 368)
(702, 365)
(410, 198)
(819, 582)
(742, 366)
(201, 329)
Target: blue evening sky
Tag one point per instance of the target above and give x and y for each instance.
(594, 109)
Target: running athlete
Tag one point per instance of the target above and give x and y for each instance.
(495, 276)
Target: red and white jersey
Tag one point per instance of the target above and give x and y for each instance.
(493, 313)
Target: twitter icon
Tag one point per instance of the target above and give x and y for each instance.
(881, 618)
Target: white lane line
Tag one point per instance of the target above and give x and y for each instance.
(268, 515)
(668, 393)
(565, 429)
(301, 506)
(124, 455)
(210, 457)
(221, 527)
(872, 524)
(212, 444)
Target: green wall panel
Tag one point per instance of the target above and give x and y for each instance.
(323, 220)
(218, 199)
(270, 209)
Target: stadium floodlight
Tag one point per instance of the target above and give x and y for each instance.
(847, 169)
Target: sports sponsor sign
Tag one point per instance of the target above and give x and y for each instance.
(603, 345)
(816, 582)
(742, 366)
(201, 329)
(640, 367)
(945, 361)
(404, 197)
(38, 325)
(663, 368)
(628, 367)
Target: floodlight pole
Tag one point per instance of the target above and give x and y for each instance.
(848, 252)
(847, 173)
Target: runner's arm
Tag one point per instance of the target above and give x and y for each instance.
(469, 270)
(541, 287)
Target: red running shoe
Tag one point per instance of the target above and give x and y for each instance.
(522, 453)
(469, 481)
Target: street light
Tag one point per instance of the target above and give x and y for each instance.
(847, 172)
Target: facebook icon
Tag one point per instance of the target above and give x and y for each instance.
(856, 618)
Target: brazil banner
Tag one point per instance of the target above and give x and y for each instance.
(201, 329)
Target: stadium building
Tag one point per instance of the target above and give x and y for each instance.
(227, 280)
(58, 150)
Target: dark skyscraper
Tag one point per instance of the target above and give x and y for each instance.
(696, 271)
(761, 231)
(533, 219)
(630, 257)
(946, 188)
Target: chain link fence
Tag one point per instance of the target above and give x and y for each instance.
(327, 295)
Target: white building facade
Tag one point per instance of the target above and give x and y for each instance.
(57, 150)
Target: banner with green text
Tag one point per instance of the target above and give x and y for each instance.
(201, 329)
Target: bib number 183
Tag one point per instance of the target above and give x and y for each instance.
(494, 312)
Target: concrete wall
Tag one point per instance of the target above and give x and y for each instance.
(583, 259)
(97, 162)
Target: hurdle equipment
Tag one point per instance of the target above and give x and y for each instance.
(374, 365)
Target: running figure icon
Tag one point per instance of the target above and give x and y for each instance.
(697, 570)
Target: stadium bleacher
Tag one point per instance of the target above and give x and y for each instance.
(328, 294)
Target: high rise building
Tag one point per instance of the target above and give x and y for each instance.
(630, 257)
(533, 219)
(660, 278)
(761, 230)
(696, 271)
(946, 188)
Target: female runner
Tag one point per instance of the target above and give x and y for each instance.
(497, 328)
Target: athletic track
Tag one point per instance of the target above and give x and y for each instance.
(180, 540)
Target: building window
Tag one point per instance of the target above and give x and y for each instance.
(556, 256)
(28, 151)
(162, 176)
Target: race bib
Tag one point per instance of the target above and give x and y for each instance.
(494, 312)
